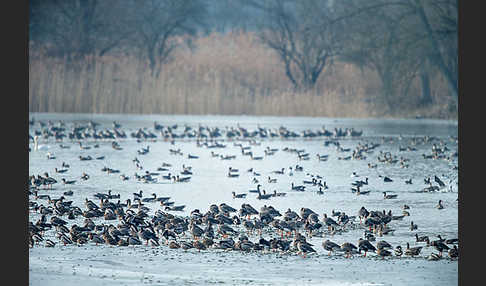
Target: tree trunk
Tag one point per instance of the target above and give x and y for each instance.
(438, 58)
(425, 83)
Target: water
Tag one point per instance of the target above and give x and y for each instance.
(210, 185)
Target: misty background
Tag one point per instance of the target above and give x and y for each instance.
(346, 58)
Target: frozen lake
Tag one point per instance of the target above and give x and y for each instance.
(209, 184)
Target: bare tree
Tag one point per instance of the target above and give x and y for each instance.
(159, 22)
(391, 38)
(303, 34)
(439, 21)
(76, 28)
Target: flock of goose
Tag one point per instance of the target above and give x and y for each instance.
(144, 219)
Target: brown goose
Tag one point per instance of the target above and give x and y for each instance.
(413, 251)
(383, 253)
(304, 248)
(365, 245)
(348, 248)
(439, 206)
(454, 252)
(330, 246)
(174, 245)
(199, 245)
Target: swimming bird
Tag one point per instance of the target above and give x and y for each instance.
(398, 251)
(421, 238)
(175, 208)
(60, 170)
(257, 190)
(238, 196)
(439, 205)
(439, 181)
(300, 188)
(413, 251)
(453, 252)
(413, 226)
(439, 246)
(385, 196)
(152, 199)
(360, 192)
(263, 196)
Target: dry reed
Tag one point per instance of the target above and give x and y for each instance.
(225, 74)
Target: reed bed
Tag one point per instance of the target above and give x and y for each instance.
(224, 74)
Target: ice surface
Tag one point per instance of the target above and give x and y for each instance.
(105, 265)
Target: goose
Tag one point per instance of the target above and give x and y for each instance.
(175, 208)
(224, 208)
(359, 192)
(322, 158)
(84, 176)
(330, 246)
(255, 158)
(387, 179)
(398, 251)
(421, 238)
(189, 156)
(174, 245)
(348, 248)
(360, 183)
(61, 170)
(264, 196)
(383, 253)
(365, 245)
(439, 246)
(304, 248)
(138, 195)
(452, 241)
(439, 181)
(363, 213)
(50, 243)
(413, 251)
(409, 181)
(182, 179)
(275, 194)
(249, 209)
(439, 205)
(329, 222)
(68, 193)
(195, 230)
(453, 252)
(153, 199)
(387, 197)
(413, 226)
(65, 182)
(300, 188)
(434, 257)
(272, 180)
(238, 196)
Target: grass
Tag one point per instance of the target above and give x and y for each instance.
(225, 74)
